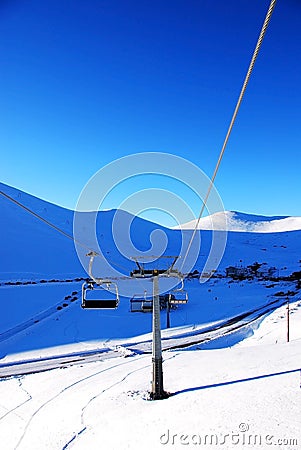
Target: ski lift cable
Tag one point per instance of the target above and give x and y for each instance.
(64, 233)
(242, 92)
(69, 236)
(255, 54)
(44, 220)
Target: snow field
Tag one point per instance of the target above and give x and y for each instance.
(103, 405)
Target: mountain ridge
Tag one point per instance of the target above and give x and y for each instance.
(242, 222)
(235, 221)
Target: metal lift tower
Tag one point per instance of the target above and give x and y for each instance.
(157, 392)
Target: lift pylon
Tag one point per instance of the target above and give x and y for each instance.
(157, 392)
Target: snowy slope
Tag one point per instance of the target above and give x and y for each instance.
(32, 249)
(42, 315)
(29, 248)
(239, 397)
(237, 221)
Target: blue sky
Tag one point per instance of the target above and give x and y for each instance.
(85, 82)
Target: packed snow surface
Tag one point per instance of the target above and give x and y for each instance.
(237, 397)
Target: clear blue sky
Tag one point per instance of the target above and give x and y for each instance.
(84, 82)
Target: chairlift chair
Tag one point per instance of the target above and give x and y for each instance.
(178, 296)
(102, 295)
(144, 304)
(147, 305)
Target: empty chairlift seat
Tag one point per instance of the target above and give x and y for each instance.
(100, 296)
(141, 303)
(178, 296)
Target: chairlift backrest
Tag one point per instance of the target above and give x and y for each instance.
(178, 296)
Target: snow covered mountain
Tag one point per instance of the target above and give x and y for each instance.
(106, 354)
(241, 222)
(30, 248)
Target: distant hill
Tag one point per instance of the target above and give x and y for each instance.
(32, 248)
(241, 222)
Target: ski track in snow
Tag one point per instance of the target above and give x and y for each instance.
(67, 388)
(85, 427)
(13, 410)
